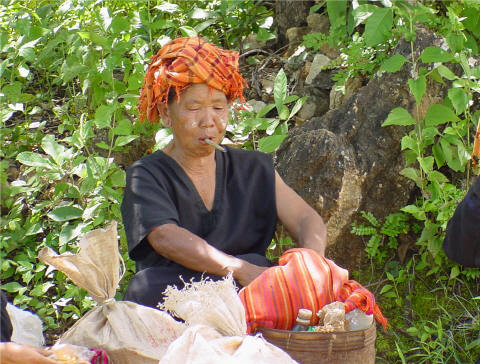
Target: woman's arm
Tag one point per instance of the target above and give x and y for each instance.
(11, 353)
(301, 220)
(191, 251)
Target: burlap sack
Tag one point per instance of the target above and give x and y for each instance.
(128, 332)
(218, 330)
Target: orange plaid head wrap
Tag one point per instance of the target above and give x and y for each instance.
(476, 149)
(182, 62)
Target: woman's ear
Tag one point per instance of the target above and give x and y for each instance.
(164, 115)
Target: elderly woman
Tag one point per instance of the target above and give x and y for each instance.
(190, 210)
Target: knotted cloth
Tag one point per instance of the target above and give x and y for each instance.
(303, 279)
(182, 62)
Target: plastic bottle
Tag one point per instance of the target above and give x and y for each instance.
(358, 320)
(303, 320)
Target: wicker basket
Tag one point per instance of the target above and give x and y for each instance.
(332, 348)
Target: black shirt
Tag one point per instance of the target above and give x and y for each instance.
(462, 240)
(242, 219)
(6, 328)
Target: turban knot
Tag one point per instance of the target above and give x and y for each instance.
(182, 62)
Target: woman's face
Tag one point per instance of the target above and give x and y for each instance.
(201, 113)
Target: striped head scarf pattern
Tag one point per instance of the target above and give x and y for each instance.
(182, 62)
(303, 279)
(476, 149)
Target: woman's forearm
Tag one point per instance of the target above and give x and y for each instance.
(312, 233)
(189, 250)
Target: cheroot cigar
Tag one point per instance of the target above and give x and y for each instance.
(215, 145)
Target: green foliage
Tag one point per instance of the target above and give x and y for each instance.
(256, 131)
(436, 149)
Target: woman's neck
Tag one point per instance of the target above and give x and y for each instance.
(192, 164)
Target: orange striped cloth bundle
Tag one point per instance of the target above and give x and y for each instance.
(303, 279)
(184, 61)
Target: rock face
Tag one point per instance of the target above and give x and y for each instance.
(345, 162)
(290, 13)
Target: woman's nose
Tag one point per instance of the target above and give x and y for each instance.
(208, 118)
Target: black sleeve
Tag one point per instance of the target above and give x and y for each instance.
(5, 323)
(146, 204)
(462, 239)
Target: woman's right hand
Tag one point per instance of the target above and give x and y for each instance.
(247, 272)
(12, 353)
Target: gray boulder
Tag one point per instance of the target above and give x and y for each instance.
(345, 161)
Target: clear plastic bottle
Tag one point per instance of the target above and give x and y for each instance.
(358, 320)
(303, 320)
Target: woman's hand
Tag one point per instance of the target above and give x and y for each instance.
(12, 353)
(247, 272)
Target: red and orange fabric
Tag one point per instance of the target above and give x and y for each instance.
(182, 62)
(476, 149)
(303, 279)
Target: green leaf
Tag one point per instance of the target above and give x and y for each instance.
(434, 246)
(124, 140)
(436, 176)
(409, 143)
(265, 110)
(362, 13)
(426, 163)
(106, 18)
(65, 213)
(270, 143)
(118, 178)
(412, 174)
(417, 87)
(120, 24)
(459, 99)
(399, 116)
(439, 114)
(103, 145)
(290, 98)
(393, 64)
(69, 232)
(34, 160)
(284, 112)
(415, 211)
(11, 287)
(298, 105)
(53, 149)
(438, 154)
(472, 345)
(270, 125)
(5, 115)
(103, 116)
(435, 54)
(41, 289)
(124, 127)
(188, 31)
(280, 89)
(263, 35)
(456, 42)
(386, 288)
(378, 27)
(337, 11)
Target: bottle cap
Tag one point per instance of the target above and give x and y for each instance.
(303, 322)
(304, 314)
